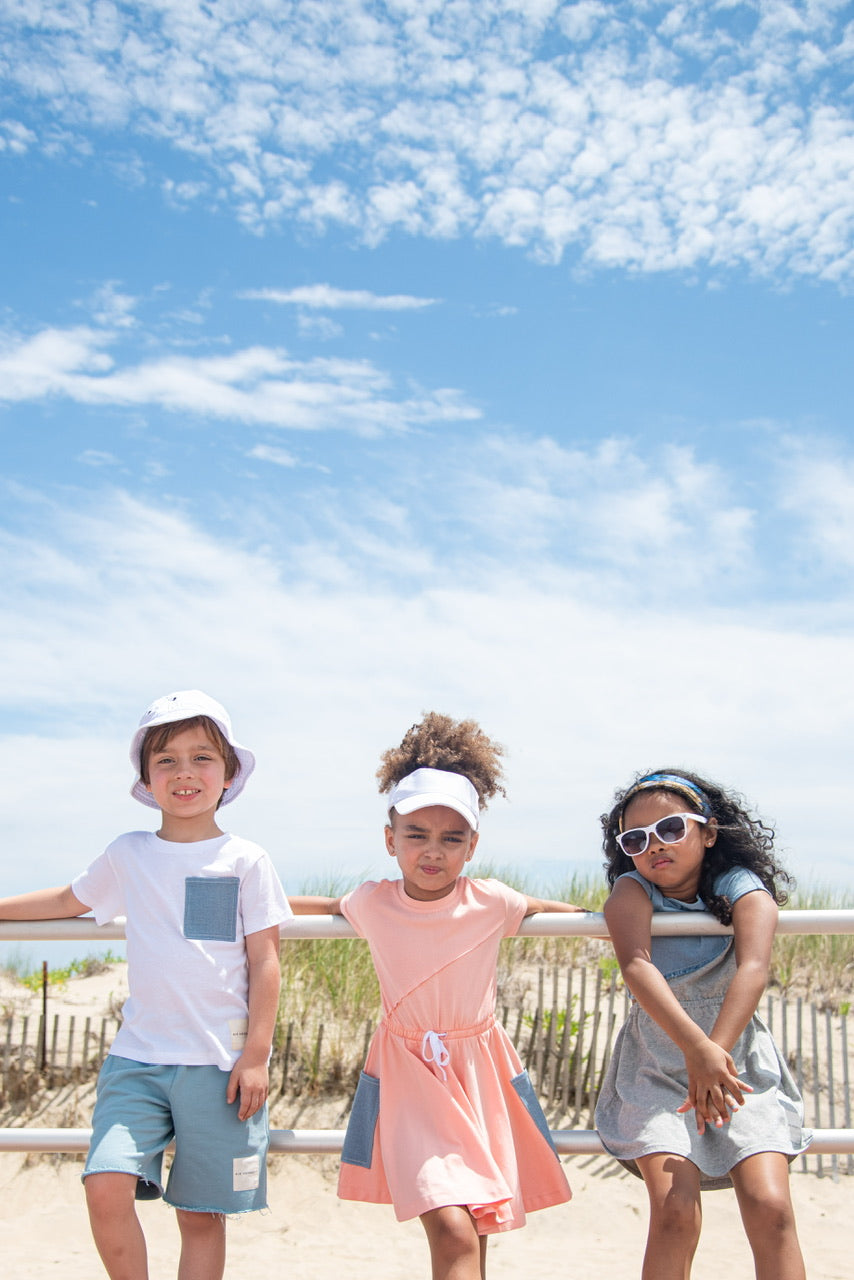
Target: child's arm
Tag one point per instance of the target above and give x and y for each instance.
(311, 905)
(754, 919)
(548, 904)
(43, 904)
(712, 1076)
(250, 1076)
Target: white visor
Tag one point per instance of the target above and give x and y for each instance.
(426, 787)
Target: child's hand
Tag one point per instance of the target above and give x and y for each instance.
(250, 1079)
(714, 1089)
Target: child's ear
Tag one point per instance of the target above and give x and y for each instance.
(475, 836)
(710, 833)
(389, 841)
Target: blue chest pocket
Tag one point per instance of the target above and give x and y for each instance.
(210, 908)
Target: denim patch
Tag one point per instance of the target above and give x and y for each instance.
(359, 1140)
(210, 908)
(530, 1101)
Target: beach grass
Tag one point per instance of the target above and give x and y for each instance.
(819, 966)
(19, 967)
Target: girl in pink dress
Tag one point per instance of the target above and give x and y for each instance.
(445, 1124)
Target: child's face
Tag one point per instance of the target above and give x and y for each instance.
(674, 868)
(432, 846)
(187, 779)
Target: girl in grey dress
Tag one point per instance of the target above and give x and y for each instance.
(697, 1094)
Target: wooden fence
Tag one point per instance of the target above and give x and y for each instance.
(565, 1034)
(563, 1031)
(35, 1052)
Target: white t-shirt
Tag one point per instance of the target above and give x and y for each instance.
(189, 908)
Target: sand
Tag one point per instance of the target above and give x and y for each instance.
(310, 1233)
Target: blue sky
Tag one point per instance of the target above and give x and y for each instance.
(360, 359)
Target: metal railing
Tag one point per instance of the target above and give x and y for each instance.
(329, 1141)
(590, 924)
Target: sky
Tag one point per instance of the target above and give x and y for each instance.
(483, 356)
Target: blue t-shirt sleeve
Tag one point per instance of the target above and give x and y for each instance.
(656, 897)
(736, 882)
(646, 885)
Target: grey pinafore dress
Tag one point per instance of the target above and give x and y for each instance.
(646, 1081)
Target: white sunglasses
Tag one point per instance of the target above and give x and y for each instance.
(670, 830)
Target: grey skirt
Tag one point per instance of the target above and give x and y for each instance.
(646, 1081)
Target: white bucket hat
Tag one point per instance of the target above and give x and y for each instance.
(184, 706)
(427, 787)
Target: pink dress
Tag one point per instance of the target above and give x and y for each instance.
(444, 1113)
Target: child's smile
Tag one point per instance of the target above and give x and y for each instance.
(187, 779)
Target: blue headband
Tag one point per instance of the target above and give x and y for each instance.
(667, 782)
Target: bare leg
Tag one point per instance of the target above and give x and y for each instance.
(202, 1245)
(675, 1216)
(115, 1226)
(762, 1186)
(457, 1252)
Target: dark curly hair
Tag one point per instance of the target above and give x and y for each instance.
(439, 742)
(743, 840)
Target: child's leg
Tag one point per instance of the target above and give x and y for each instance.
(762, 1186)
(219, 1165)
(115, 1226)
(675, 1215)
(202, 1245)
(457, 1252)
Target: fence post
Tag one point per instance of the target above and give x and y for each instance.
(846, 1085)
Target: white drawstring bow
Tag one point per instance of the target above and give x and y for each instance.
(433, 1050)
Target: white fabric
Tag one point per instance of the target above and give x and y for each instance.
(186, 705)
(188, 998)
(433, 1050)
(427, 787)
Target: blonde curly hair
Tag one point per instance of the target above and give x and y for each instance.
(440, 742)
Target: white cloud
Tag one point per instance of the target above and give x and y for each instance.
(15, 137)
(322, 328)
(579, 21)
(43, 364)
(113, 309)
(98, 458)
(107, 607)
(648, 137)
(257, 385)
(327, 297)
(271, 453)
(817, 482)
(604, 514)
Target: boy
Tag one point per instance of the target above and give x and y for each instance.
(203, 913)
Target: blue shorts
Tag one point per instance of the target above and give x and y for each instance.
(220, 1162)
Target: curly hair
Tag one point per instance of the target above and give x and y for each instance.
(743, 840)
(439, 742)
